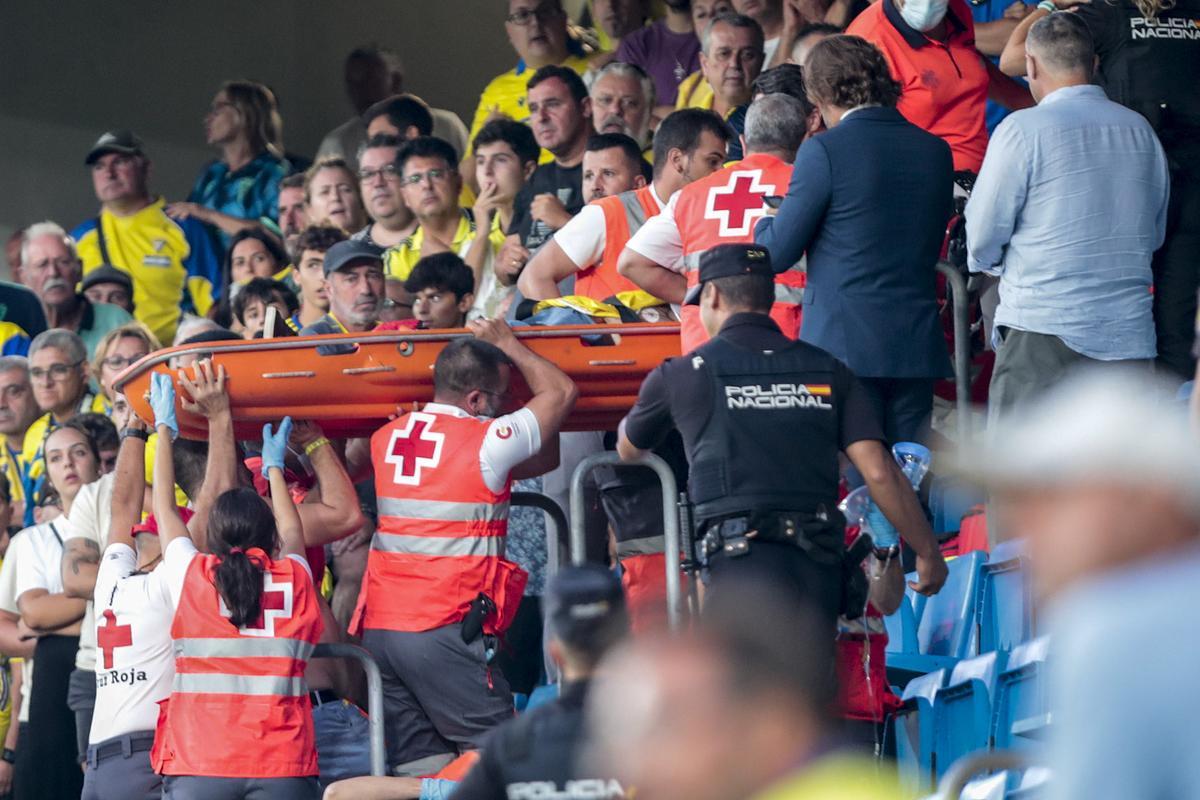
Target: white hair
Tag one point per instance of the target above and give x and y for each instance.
(47, 228)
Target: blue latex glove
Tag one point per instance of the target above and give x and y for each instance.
(162, 402)
(274, 447)
(883, 533)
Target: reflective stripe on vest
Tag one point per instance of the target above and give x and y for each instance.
(438, 545)
(442, 510)
(651, 545)
(635, 215)
(225, 683)
(249, 647)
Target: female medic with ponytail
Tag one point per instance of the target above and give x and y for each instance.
(238, 722)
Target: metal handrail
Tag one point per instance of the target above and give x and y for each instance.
(557, 543)
(957, 286)
(961, 771)
(374, 696)
(672, 537)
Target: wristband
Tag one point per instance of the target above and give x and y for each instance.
(1047, 6)
(314, 444)
(886, 553)
(9, 755)
(134, 433)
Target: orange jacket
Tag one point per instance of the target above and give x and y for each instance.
(440, 539)
(624, 213)
(722, 209)
(240, 707)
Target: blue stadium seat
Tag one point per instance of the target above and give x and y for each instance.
(1005, 614)
(1030, 784)
(1021, 701)
(902, 629)
(946, 628)
(950, 499)
(913, 726)
(992, 787)
(962, 710)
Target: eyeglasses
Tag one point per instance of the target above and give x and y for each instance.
(121, 362)
(56, 372)
(435, 175)
(543, 12)
(388, 171)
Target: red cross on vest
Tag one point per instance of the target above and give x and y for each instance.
(739, 203)
(414, 447)
(110, 636)
(275, 603)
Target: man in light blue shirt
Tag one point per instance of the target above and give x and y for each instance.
(1069, 207)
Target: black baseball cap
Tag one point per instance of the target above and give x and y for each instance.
(585, 607)
(349, 253)
(106, 273)
(726, 261)
(125, 142)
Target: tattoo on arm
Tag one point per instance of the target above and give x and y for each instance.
(82, 551)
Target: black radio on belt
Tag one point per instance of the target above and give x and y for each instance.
(481, 608)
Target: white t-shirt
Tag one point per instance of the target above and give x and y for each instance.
(90, 516)
(769, 48)
(511, 439)
(659, 239)
(136, 664)
(36, 557)
(583, 238)
(8, 602)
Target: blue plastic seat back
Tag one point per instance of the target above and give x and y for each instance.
(913, 725)
(1022, 709)
(917, 601)
(962, 710)
(902, 629)
(1006, 614)
(951, 499)
(991, 787)
(947, 626)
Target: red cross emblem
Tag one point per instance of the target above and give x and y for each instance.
(739, 203)
(413, 448)
(275, 604)
(110, 636)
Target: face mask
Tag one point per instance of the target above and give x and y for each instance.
(923, 15)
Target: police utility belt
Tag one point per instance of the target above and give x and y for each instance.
(818, 533)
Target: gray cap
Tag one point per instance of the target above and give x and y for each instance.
(350, 253)
(106, 273)
(125, 142)
(1107, 425)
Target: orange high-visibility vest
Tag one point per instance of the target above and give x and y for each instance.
(239, 707)
(723, 209)
(440, 539)
(624, 214)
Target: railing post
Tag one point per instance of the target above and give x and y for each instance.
(957, 286)
(556, 543)
(374, 696)
(672, 537)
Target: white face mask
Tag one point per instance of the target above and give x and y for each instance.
(923, 15)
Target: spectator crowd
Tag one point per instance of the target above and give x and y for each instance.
(756, 171)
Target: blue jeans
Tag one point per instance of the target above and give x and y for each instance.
(343, 741)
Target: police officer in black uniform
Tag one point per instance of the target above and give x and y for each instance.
(763, 419)
(538, 753)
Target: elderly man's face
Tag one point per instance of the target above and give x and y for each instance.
(58, 382)
(52, 270)
(619, 105)
(733, 61)
(17, 406)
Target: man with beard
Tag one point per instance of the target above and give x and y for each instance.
(293, 213)
(171, 262)
(622, 102)
(354, 286)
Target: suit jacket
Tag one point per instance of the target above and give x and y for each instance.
(869, 201)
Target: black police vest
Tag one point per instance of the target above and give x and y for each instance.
(771, 441)
(538, 754)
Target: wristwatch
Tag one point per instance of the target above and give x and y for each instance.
(9, 755)
(134, 433)
(885, 553)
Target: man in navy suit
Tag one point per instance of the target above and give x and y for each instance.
(868, 202)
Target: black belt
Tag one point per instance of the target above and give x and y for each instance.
(124, 746)
(733, 535)
(320, 697)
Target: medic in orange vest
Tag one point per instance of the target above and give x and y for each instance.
(689, 145)
(438, 590)
(663, 257)
(238, 721)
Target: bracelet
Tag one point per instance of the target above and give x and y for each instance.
(1047, 6)
(314, 444)
(134, 433)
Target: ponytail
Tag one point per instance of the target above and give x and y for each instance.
(239, 579)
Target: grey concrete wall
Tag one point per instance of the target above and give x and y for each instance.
(69, 69)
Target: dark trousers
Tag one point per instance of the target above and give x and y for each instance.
(903, 406)
(46, 759)
(81, 699)
(1177, 263)
(784, 567)
(124, 775)
(194, 787)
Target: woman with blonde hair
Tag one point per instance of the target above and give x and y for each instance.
(241, 187)
(119, 348)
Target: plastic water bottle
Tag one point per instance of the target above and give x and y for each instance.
(914, 460)
(855, 507)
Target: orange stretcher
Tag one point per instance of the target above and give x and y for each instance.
(353, 394)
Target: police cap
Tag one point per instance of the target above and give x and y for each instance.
(727, 261)
(585, 606)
